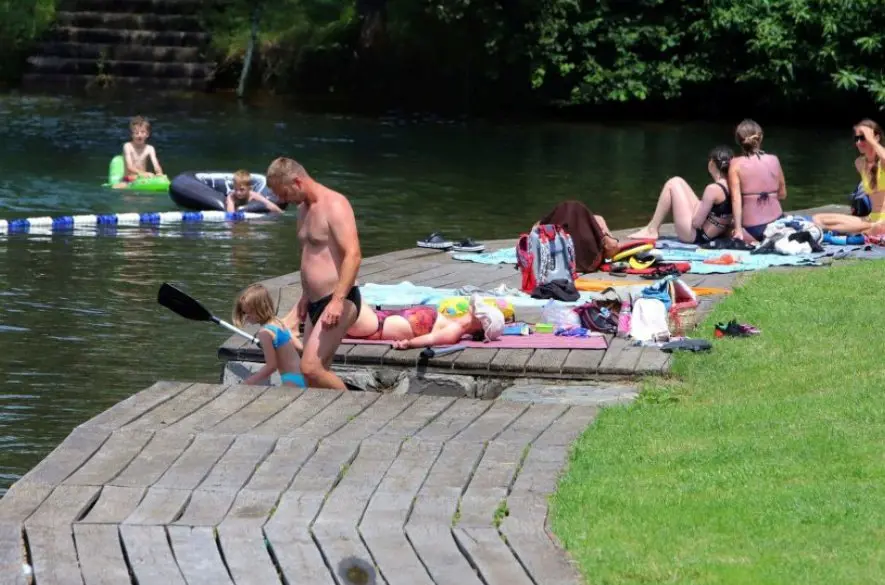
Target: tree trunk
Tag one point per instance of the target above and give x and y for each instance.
(373, 22)
(250, 49)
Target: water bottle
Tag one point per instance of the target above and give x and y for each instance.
(625, 317)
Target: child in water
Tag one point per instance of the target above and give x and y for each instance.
(280, 347)
(243, 194)
(137, 152)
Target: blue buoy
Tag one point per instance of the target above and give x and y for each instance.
(62, 222)
(17, 225)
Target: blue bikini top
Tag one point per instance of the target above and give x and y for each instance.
(282, 335)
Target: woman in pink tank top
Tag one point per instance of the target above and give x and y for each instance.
(756, 182)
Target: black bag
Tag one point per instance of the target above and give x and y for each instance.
(861, 206)
(601, 314)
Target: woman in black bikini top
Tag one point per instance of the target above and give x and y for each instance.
(696, 220)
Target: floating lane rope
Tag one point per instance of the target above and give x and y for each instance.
(70, 222)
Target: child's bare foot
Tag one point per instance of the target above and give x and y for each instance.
(645, 233)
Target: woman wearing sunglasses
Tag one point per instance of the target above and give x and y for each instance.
(867, 138)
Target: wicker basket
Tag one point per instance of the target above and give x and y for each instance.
(682, 316)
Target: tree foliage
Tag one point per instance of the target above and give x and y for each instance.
(573, 52)
(565, 52)
(22, 22)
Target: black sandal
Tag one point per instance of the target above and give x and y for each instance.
(435, 241)
(468, 245)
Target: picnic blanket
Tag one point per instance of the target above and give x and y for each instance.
(406, 294)
(745, 260)
(676, 251)
(533, 341)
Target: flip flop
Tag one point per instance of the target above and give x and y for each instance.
(435, 241)
(468, 245)
(686, 344)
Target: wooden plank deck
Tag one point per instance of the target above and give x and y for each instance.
(438, 269)
(194, 483)
(434, 268)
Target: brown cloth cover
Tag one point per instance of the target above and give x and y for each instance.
(586, 234)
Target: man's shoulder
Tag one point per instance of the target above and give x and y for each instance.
(337, 201)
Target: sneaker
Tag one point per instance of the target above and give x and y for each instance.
(734, 329)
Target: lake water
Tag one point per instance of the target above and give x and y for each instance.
(80, 328)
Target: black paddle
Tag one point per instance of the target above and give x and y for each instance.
(190, 308)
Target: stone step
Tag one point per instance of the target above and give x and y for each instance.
(73, 34)
(92, 67)
(129, 21)
(189, 7)
(34, 81)
(116, 52)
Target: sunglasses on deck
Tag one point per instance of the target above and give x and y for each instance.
(859, 138)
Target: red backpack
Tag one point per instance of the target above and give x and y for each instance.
(545, 254)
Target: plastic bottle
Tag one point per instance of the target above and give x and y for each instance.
(625, 317)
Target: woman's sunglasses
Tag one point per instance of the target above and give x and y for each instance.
(859, 138)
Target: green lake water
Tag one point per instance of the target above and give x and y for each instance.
(80, 328)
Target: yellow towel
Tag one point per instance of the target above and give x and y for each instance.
(591, 285)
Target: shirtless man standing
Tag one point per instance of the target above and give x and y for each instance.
(330, 260)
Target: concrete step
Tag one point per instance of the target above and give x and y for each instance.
(71, 34)
(35, 81)
(129, 21)
(92, 67)
(114, 52)
(189, 7)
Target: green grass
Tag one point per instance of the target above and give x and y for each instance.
(760, 462)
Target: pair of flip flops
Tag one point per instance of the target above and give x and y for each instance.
(436, 241)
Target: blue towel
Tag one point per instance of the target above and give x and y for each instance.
(673, 244)
(502, 256)
(746, 260)
(406, 294)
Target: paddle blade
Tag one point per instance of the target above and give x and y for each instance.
(183, 304)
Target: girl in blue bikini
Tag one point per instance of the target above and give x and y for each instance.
(280, 348)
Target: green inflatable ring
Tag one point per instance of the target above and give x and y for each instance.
(117, 169)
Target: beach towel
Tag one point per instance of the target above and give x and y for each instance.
(593, 285)
(745, 260)
(533, 341)
(406, 294)
(502, 256)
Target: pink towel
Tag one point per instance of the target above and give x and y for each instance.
(534, 341)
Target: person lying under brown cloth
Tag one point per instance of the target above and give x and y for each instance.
(591, 237)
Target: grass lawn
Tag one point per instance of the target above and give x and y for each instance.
(762, 461)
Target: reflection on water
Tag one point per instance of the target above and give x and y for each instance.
(80, 328)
